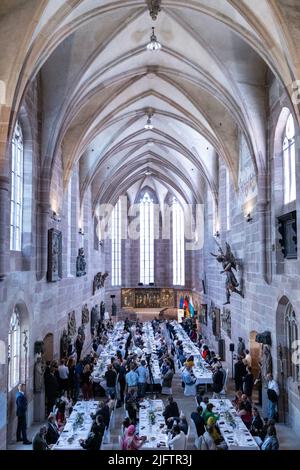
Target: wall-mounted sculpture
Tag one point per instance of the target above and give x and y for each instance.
(99, 280)
(64, 344)
(80, 263)
(85, 315)
(71, 323)
(229, 263)
(95, 318)
(226, 321)
(54, 272)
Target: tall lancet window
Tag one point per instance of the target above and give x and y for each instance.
(16, 205)
(178, 244)
(14, 350)
(146, 239)
(116, 244)
(289, 161)
(227, 200)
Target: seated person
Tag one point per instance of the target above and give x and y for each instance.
(93, 441)
(245, 413)
(190, 362)
(271, 440)
(197, 417)
(211, 438)
(176, 439)
(131, 441)
(171, 410)
(52, 434)
(39, 440)
(257, 423)
(131, 405)
(208, 413)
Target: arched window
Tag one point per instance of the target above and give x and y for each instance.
(14, 349)
(227, 200)
(289, 161)
(16, 209)
(116, 245)
(178, 244)
(146, 239)
(291, 332)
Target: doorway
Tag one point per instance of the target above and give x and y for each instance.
(48, 345)
(255, 353)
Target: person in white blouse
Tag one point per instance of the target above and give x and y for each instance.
(273, 394)
(177, 441)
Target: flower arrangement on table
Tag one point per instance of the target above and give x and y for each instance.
(230, 419)
(152, 417)
(79, 420)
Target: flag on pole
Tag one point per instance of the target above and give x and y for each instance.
(181, 302)
(191, 307)
(186, 305)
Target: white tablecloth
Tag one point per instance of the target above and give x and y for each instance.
(156, 433)
(237, 437)
(71, 434)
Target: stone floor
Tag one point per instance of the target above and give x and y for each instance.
(287, 438)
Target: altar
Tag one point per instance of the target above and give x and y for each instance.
(148, 298)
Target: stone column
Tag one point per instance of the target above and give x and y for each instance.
(43, 212)
(5, 113)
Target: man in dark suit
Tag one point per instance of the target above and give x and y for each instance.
(52, 435)
(196, 416)
(239, 373)
(21, 402)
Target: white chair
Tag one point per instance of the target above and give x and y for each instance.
(166, 391)
(187, 438)
(106, 436)
(190, 390)
(120, 442)
(224, 390)
(197, 441)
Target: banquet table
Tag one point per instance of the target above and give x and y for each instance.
(72, 432)
(116, 339)
(154, 428)
(232, 428)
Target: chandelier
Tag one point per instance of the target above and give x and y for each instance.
(153, 45)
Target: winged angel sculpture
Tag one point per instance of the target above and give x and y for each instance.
(229, 263)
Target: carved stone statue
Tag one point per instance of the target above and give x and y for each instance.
(64, 344)
(39, 347)
(99, 280)
(71, 323)
(229, 264)
(266, 362)
(95, 317)
(81, 332)
(85, 318)
(39, 369)
(80, 263)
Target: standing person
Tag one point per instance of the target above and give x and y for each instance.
(87, 387)
(273, 395)
(239, 373)
(78, 346)
(111, 379)
(142, 373)
(51, 390)
(248, 383)
(21, 402)
(247, 359)
(241, 348)
(63, 373)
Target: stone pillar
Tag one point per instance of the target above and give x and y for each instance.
(42, 239)
(5, 113)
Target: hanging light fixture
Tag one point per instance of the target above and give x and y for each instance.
(153, 45)
(149, 126)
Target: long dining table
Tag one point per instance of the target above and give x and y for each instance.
(152, 425)
(232, 428)
(78, 426)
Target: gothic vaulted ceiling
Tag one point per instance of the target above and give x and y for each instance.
(99, 82)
